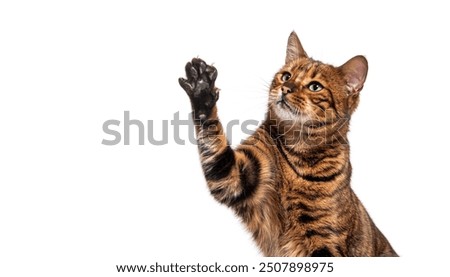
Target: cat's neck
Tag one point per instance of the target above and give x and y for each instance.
(308, 138)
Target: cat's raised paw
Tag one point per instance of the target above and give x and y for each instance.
(199, 86)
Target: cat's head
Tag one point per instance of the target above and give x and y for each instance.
(306, 91)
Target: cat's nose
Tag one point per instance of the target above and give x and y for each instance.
(288, 88)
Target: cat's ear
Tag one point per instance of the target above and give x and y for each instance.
(294, 49)
(355, 72)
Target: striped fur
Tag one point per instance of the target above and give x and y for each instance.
(290, 181)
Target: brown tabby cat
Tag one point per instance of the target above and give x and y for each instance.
(290, 181)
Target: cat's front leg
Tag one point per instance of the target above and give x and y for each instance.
(223, 167)
(199, 86)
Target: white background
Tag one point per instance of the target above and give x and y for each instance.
(70, 206)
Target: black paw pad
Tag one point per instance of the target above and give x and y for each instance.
(199, 86)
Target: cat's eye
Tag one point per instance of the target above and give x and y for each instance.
(315, 86)
(286, 76)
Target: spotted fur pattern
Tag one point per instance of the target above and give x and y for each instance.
(290, 181)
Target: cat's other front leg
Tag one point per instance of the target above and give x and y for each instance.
(199, 85)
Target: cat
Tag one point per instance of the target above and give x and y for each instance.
(289, 181)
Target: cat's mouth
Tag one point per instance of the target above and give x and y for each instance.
(284, 104)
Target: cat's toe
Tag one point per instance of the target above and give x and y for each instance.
(199, 64)
(186, 86)
(211, 71)
(191, 72)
